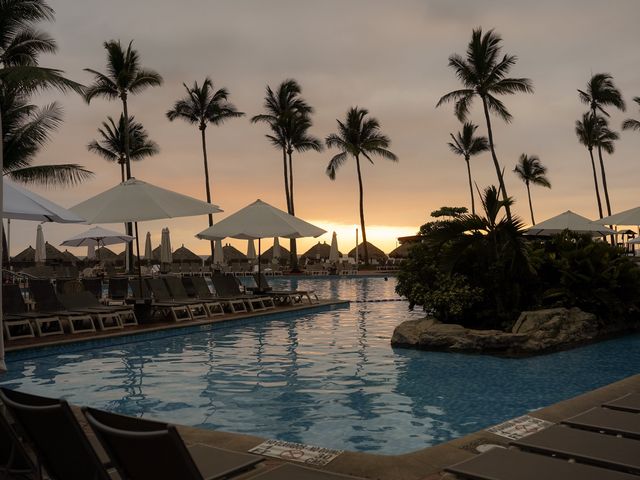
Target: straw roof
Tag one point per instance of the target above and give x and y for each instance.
(231, 253)
(28, 255)
(106, 255)
(318, 251)
(374, 252)
(267, 255)
(70, 257)
(401, 251)
(184, 255)
(53, 254)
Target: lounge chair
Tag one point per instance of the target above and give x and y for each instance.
(229, 286)
(84, 301)
(289, 471)
(201, 288)
(607, 420)
(60, 444)
(15, 461)
(584, 446)
(176, 287)
(180, 311)
(16, 312)
(628, 403)
(165, 309)
(144, 449)
(93, 285)
(118, 290)
(284, 296)
(511, 464)
(47, 302)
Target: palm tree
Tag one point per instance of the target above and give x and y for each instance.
(124, 76)
(586, 131)
(287, 115)
(601, 92)
(201, 106)
(631, 123)
(358, 136)
(484, 74)
(467, 145)
(111, 145)
(531, 171)
(604, 141)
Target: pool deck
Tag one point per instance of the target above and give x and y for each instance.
(168, 326)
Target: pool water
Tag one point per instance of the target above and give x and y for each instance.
(328, 378)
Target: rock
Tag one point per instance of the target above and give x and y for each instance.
(535, 332)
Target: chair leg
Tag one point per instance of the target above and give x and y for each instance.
(128, 318)
(20, 326)
(214, 309)
(49, 326)
(77, 324)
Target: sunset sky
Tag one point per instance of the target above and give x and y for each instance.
(388, 57)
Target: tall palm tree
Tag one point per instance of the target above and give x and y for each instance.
(287, 115)
(601, 92)
(531, 171)
(358, 136)
(631, 123)
(587, 133)
(467, 145)
(111, 144)
(605, 139)
(203, 105)
(483, 73)
(124, 76)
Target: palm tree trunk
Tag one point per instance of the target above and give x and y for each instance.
(206, 178)
(286, 177)
(533, 222)
(473, 203)
(3, 366)
(604, 181)
(364, 231)
(293, 247)
(495, 158)
(595, 182)
(128, 226)
(122, 171)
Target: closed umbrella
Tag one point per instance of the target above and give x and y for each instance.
(251, 250)
(334, 253)
(218, 254)
(41, 251)
(165, 247)
(260, 220)
(91, 252)
(275, 258)
(148, 249)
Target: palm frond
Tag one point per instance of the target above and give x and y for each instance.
(52, 175)
(336, 162)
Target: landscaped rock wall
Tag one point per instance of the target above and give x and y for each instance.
(534, 332)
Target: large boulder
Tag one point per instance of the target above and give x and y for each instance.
(535, 332)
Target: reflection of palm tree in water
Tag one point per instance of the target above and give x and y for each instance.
(134, 398)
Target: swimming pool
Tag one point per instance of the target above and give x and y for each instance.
(328, 378)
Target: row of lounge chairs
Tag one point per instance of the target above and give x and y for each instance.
(52, 439)
(602, 443)
(77, 305)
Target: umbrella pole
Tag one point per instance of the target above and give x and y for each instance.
(139, 267)
(259, 262)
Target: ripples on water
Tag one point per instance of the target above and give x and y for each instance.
(327, 378)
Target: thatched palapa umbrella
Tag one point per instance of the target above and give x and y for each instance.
(401, 251)
(320, 251)
(267, 255)
(106, 255)
(374, 252)
(184, 255)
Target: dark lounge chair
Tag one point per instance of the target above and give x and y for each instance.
(57, 438)
(17, 313)
(584, 446)
(201, 288)
(15, 461)
(607, 420)
(511, 464)
(166, 309)
(47, 302)
(628, 403)
(289, 471)
(228, 286)
(184, 289)
(93, 285)
(177, 293)
(283, 296)
(144, 449)
(108, 316)
(180, 311)
(118, 290)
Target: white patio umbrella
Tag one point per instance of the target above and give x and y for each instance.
(276, 253)
(334, 254)
(628, 217)
(165, 247)
(148, 249)
(569, 221)
(19, 203)
(97, 236)
(91, 252)
(218, 252)
(251, 250)
(41, 250)
(257, 221)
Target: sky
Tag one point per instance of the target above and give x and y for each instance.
(387, 57)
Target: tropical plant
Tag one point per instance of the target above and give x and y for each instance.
(601, 92)
(587, 133)
(531, 171)
(124, 76)
(204, 105)
(467, 145)
(483, 73)
(449, 212)
(358, 136)
(288, 117)
(111, 144)
(631, 123)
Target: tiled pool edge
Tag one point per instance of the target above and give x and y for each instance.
(58, 345)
